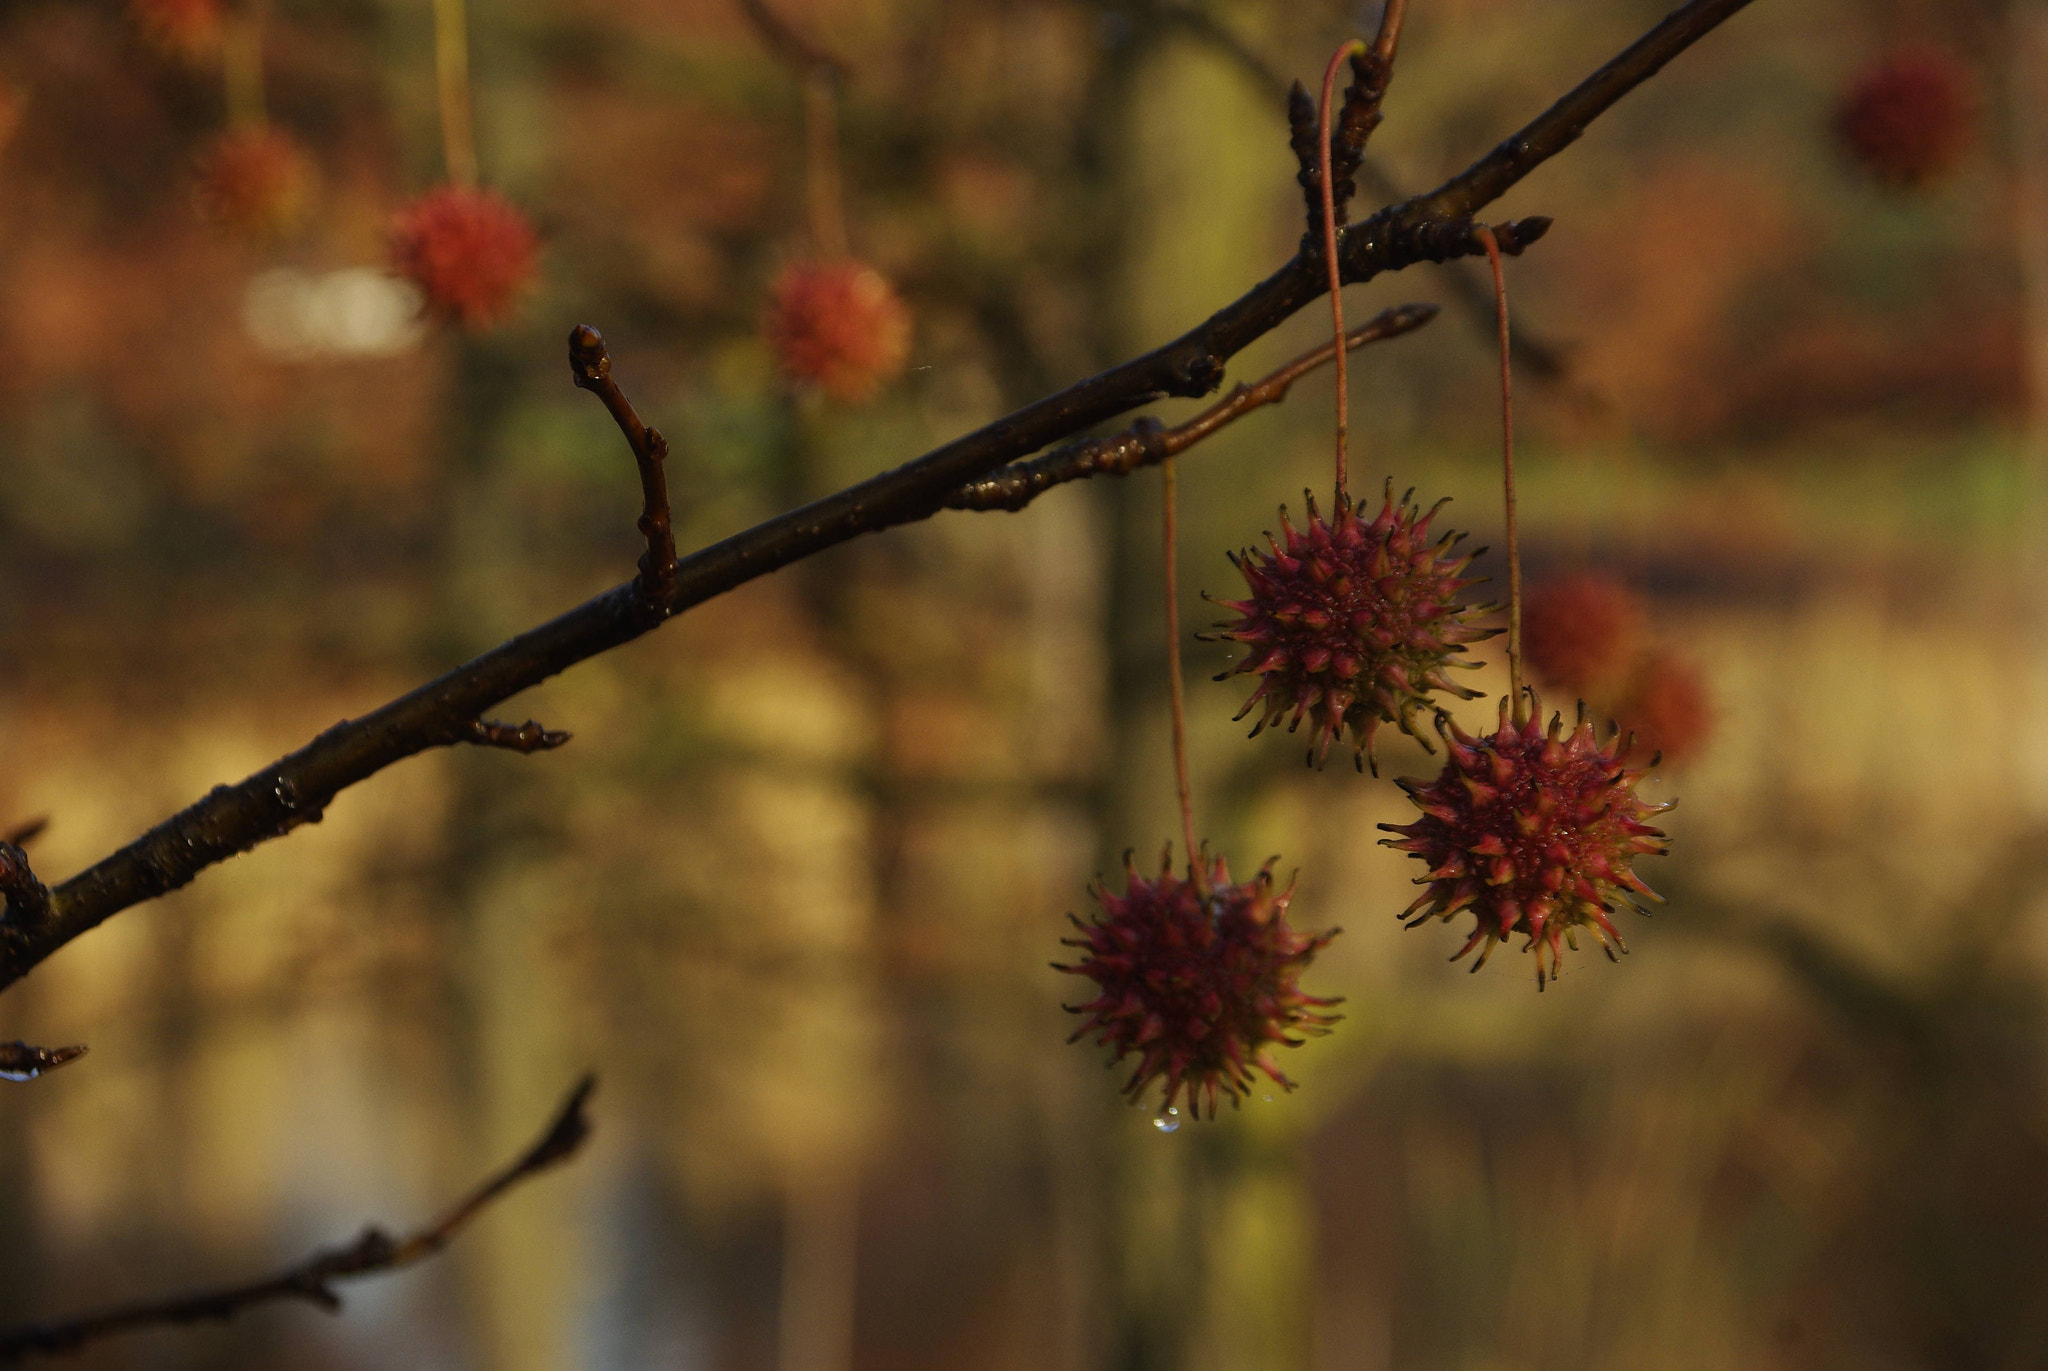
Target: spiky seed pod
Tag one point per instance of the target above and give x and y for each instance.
(839, 326)
(187, 28)
(1351, 623)
(1909, 118)
(1200, 988)
(1668, 709)
(1581, 633)
(255, 182)
(1534, 832)
(469, 250)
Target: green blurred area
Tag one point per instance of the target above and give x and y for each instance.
(793, 888)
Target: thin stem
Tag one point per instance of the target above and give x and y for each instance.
(1175, 689)
(241, 66)
(1390, 31)
(451, 76)
(1335, 272)
(821, 135)
(1507, 477)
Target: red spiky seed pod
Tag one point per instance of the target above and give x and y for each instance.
(469, 250)
(1908, 118)
(1351, 623)
(1668, 709)
(839, 326)
(255, 182)
(1581, 633)
(1532, 831)
(187, 28)
(1200, 987)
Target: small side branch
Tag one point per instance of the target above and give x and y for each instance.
(1147, 442)
(24, 1061)
(528, 737)
(26, 831)
(312, 1280)
(591, 365)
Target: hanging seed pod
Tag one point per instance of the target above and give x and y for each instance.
(1668, 709)
(1908, 118)
(255, 183)
(839, 326)
(1352, 623)
(469, 250)
(1200, 987)
(1581, 633)
(1534, 832)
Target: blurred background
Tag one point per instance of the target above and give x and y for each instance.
(793, 889)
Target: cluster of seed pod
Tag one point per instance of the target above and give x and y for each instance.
(1349, 623)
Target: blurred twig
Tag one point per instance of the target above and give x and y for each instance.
(1428, 228)
(313, 1279)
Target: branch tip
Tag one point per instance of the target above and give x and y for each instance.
(21, 1061)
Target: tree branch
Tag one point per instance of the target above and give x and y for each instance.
(24, 1062)
(312, 1280)
(232, 819)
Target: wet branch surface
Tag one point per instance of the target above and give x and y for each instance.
(296, 789)
(312, 1280)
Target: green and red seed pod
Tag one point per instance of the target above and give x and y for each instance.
(1352, 623)
(1535, 832)
(1198, 979)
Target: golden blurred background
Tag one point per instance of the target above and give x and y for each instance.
(793, 888)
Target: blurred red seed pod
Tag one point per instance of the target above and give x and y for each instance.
(1581, 633)
(187, 28)
(1909, 117)
(839, 326)
(255, 182)
(1668, 708)
(469, 250)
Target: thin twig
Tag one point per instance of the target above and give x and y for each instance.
(528, 737)
(312, 1280)
(1147, 442)
(234, 818)
(26, 832)
(1507, 479)
(591, 366)
(21, 1061)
